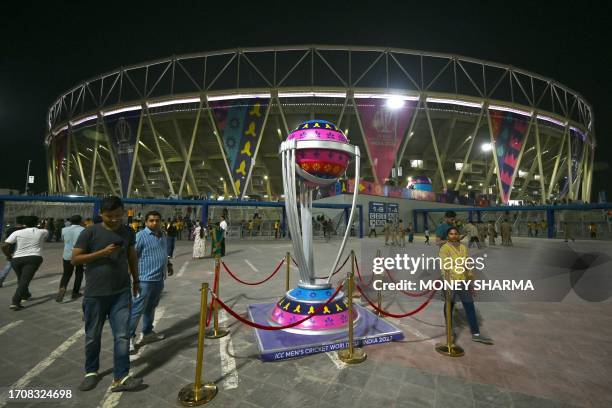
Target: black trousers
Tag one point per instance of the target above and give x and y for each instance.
(25, 267)
(78, 276)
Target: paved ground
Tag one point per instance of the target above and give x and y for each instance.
(547, 353)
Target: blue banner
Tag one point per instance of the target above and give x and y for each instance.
(240, 123)
(122, 129)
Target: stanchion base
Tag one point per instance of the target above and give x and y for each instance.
(358, 356)
(189, 398)
(216, 334)
(450, 350)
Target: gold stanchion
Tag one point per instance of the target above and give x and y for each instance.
(378, 312)
(288, 269)
(355, 293)
(216, 332)
(197, 393)
(351, 355)
(450, 349)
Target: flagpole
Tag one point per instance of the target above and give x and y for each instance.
(27, 178)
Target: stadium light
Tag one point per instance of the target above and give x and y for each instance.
(220, 178)
(265, 177)
(509, 109)
(486, 147)
(306, 94)
(172, 102)
(60, 130)
(458, 102)
(82, 120)
(386, 96)
(552, 120)
(121, 110)
(237, 96)
(395, 102)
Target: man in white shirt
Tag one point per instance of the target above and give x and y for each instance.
(69, 236)
(223, 226)
(27, 257)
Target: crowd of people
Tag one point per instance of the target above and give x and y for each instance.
(125, 266)
(395, 233)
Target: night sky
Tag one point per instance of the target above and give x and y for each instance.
(48, 48)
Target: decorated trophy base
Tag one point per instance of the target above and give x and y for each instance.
(299, 303)
(277, 345)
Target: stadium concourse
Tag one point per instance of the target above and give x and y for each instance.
(553, 351)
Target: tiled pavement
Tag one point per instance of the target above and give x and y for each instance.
(546, 354)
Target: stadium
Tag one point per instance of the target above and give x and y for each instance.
(210, 125)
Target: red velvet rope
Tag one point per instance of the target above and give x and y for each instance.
(263, 327)
(253, 283)
(418, 294)
(398, 316)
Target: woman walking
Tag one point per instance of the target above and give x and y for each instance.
(453, 256)
(27, 257)
(199, 241)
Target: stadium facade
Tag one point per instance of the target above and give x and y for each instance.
(210, 124)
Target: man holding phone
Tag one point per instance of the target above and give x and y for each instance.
(108, 251)
(153, 267)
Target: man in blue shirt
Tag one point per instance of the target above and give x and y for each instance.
(152, 267)
(442, 229)
(69, 236)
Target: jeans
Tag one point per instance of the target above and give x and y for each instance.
(25, 267)
(78, 276)
(468, 306)
(96, 309)
(144, 305)
(170, 243)
(5, 271)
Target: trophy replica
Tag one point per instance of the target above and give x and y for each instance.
(314, 155)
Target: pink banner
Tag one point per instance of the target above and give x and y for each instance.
(384, 130)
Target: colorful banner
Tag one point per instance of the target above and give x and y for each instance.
(373, 189)
(122, 129)
(239, 123)
(508, 131)
(384, 130)
(577, 139)
(61, 151)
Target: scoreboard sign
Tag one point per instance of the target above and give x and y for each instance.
(381, 212)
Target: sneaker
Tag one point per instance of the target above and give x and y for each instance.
(76, 295)
(133, 346)
(479, 338)
(60, 295)
(28, 297)
(16, 307)
(128, 383)
(151, 337)
(89, 382)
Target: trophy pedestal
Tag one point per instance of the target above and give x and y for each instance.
(284, 344)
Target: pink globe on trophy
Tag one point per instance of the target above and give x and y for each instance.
(323, 163)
